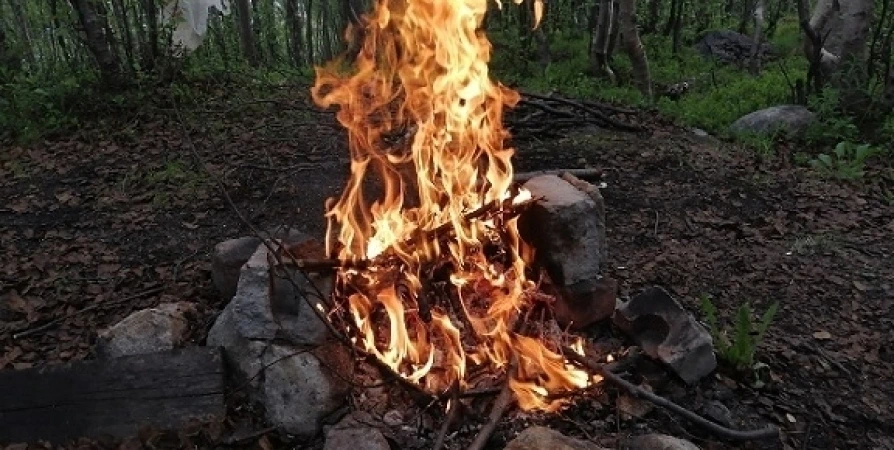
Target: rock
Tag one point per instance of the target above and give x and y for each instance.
(667, 332)
(539, 438)
(658, 442)
(565, 229)
(365, 438)
(226, 261)
(151, 330)
(266, 328)
(792, 120)
(585, 303)
(729, 47)
(299, 389)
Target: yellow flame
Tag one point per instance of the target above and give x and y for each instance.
(422, 73)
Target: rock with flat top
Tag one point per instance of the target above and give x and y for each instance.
(542, 438)
(658, 442)
(668, 333)
(152, 330)
(566, 229)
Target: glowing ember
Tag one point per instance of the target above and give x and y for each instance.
(422, 70)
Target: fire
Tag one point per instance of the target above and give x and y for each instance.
(422, 72)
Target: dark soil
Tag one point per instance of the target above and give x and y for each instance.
(121, 206)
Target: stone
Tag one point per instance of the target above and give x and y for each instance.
(729, 47)
(229, 256)
(152, 330)
(351, 434)
(227, 260)
(564, 227)
(792, 120)
(668, 333)
(539, 438)
(718, 412)
(658, 442)
(301, 388)
(585, 303)
(267, 328)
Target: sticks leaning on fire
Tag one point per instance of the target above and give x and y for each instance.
(506, 209)
(719, 430)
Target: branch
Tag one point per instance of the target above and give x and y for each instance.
(636, 391)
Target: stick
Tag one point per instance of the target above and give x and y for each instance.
(328, 264)
(56, 321)
(452, 415)
(502, 402)
(521, 177)
(636, 391)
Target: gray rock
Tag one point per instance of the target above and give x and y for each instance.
(668, 333)
(729, 47)
(539, 438)
(718, 412)
(300, 388)
(565, 229)
(349, 434)
(658, 442)
(226, 261)
(266, 328)
(585, 303)
(151, 330)
(793, 120)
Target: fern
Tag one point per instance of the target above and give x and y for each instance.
(741, 349)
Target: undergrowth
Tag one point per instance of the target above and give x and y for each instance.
(738, 346)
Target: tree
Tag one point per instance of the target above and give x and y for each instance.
(96, 33)
(246, 33)
(601, 21)
(634, 47)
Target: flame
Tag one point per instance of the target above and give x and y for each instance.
(425, 121)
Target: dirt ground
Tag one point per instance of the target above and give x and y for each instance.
(91, 221)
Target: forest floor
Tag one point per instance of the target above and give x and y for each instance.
(97, 217)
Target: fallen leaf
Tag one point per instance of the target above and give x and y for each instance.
(822, 335)
(862, 287)
(790, 418)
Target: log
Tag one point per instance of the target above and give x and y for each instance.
(586, 174)
(114, 397)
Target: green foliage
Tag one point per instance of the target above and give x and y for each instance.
(830, 125)
(740, 349)
(32, 107)
(846, 162)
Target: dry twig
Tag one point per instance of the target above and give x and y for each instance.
(636, 391)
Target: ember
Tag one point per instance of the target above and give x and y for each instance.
(436, 281)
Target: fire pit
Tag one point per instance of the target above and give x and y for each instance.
(438, 268)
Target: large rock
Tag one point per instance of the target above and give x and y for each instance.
(351, 434)
(301, 388)
(266, 331)
(566, 228)
(792, 120)
(729, 47)
(542, 438)
(158, 329)
(658, 442)
(668, 333)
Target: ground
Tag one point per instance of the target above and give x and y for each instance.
(93, 221)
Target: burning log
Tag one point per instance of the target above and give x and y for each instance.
(638, 392)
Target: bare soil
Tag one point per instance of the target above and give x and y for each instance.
(90, 220)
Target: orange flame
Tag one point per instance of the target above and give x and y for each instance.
(422, 72)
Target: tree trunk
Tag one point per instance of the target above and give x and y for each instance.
(850, 76)
(125, 30)
(98, 41)
(671, 16)
(600, 31)
(21, 20)
(652, 19)
(756, 38)
(150, 55)
(256, 27)
(351, 11)
(309, 31)
(246, 34)
(634, 47)
(876, 36)
(541, 37)
(678, 27)
(295, 38)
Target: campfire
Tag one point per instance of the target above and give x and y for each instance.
(433, 277)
